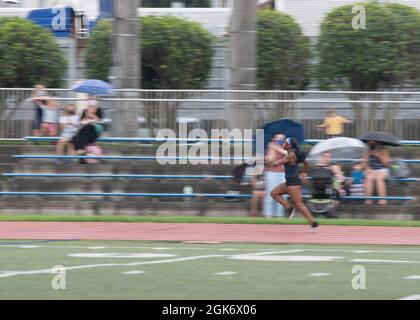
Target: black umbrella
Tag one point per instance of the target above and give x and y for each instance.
(383, 138)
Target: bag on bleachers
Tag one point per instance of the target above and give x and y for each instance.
(399, 169)
(94, 150)
(239, 173)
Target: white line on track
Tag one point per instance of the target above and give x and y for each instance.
(106, 265)
(412, 278)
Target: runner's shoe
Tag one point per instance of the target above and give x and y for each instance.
(290, 213)
(314, 227)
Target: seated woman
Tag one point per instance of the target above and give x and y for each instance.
(91, 128)
(376, 164)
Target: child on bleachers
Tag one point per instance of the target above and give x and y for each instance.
(339, 180)
(49, 125)
(357, 181)
(69, 126)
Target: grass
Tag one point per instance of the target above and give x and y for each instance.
(190, 271)
(192, 219)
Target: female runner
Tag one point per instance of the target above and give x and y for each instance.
(293, 185)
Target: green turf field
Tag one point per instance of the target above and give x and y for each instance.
(146, 270)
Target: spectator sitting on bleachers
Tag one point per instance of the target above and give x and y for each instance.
(376, 163)
(91, 122)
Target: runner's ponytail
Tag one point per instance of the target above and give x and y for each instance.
(300, 155)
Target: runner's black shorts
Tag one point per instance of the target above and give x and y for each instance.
(293, 181)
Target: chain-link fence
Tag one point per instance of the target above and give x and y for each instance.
(142, 113)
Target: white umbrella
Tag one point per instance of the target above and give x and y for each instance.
(340, 148)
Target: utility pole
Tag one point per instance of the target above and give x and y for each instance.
(126, 63)
(126, 53)
(243, 37)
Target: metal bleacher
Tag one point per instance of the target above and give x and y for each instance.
(51, 176)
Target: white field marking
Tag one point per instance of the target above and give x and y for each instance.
(122, 255)
(106, 265)
(218, 249)
(133, 272)
(273, 252)
(285, 258)
(413, 297)
(226, 273)
(28, 247)
(97, 248)
(320, 274)
(383, 261)
(161, 249)
(412, 278)
(228, 249)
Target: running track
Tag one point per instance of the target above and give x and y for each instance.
(208, 233)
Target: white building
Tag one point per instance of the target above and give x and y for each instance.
(90, 7)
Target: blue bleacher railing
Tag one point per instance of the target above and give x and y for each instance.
(156, 140)
(142, 176)
(155, 158)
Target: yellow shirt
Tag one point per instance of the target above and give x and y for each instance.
(334, 125)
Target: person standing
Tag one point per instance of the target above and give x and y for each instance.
(258, 194)
(274, 175)
(37, 95)
(49, 126)
(334, 124)
(294, 182)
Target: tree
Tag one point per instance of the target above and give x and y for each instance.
(283, 52)
(383, 55)
(176, 54)
(29, 55)
(167, 3)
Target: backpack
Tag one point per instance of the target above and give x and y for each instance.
(239, 172)
(399, 169)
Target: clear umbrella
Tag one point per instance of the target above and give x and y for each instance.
(340, 148)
